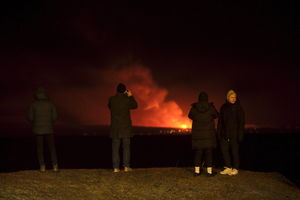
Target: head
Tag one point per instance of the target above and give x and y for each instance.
(121, 88)
(203, 96)
(231, 96)
(41, 94)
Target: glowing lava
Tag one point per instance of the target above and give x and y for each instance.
(184, 126)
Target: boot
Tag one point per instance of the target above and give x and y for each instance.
(210, 173)
(197, 171)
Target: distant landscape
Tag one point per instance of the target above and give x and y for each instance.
(19, 130)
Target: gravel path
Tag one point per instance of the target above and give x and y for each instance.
(152, 183)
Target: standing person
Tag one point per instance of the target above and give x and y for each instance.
(42, 113)
(120, 129)
(230, 132)
(203, 114)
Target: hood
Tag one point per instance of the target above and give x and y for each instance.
(203, 96)
(121, 88)
(201, 106)
(41, 94)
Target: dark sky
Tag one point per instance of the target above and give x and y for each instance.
(166, 52)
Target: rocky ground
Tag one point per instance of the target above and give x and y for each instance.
(151, 183)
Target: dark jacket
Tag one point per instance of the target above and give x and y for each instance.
(231, 122)
(203, 126)
(42, 113)
(120, 106)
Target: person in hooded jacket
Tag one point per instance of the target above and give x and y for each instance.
(203, 114)
(120, 129)
(42, 113)
(231, 132)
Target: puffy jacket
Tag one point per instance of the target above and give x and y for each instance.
(203, 126)
(42, 113)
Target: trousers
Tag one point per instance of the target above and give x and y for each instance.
(207, 153)
(49, 139)
(230, 153)
(116, 143)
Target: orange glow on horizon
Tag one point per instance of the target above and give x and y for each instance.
(184, 126)
(177, 124)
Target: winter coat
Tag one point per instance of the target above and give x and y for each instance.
(231, 122)
(120, 106)
(203, 126)
(42, 113)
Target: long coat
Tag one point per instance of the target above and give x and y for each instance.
(120, 106)
(231, 122)
(42, 113)
(203, 126)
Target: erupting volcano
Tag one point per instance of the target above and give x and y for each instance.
(154, 110)
(89, 104)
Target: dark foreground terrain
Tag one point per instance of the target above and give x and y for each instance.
(140, 184)
(259, 153)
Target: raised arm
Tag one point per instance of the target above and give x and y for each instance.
(132, 103)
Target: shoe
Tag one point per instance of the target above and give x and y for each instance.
(197, 174)
(42, 168)
(55, 168)
(127, 169)
(226, 171)
(234, 172)
(211, 174)
(116, 170)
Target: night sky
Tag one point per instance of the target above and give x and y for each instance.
(165, 52)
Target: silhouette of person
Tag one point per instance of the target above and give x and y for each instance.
(42, 113)
(120, 129)
(230, 132)
(203, 114)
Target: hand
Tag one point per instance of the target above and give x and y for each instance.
(129, 93)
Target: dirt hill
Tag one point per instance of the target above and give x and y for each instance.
(151, 183)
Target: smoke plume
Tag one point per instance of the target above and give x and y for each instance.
(154, 109)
